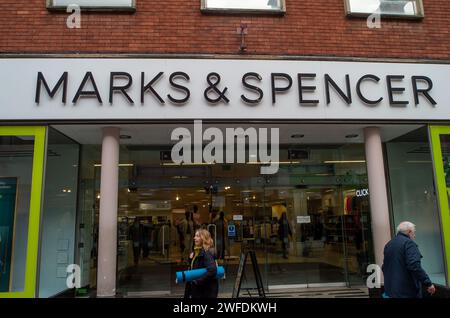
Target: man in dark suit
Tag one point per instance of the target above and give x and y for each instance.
(403, 272)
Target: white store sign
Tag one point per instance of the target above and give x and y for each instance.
(143, 89)
(303, 219)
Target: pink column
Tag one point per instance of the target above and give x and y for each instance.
(107, 241)
(379, 209)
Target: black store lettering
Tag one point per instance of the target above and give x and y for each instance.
(213, 86)
(186, 91)
(82, 93)
(423, 91)
(252, 88)
(275, 89)
(397, 90)
(121, 89)
(149, 87)
(302, 88)
(41, 80)
(365, 100)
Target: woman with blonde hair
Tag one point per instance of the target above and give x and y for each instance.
(207, 286)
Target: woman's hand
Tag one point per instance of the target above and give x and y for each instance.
(191, 255)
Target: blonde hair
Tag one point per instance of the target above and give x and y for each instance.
(207, 241)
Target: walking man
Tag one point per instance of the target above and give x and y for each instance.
(403, 272)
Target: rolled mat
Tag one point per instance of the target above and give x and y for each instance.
(188, 276)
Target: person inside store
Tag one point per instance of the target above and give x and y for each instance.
(179, 227)
(187, 228)
(284, 231)
(135, 236)
(206, 286)
(402, 269)
(196, 218)
(221, 233)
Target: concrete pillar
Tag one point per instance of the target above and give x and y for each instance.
(300, 203)
(379, 208)
(107, 241)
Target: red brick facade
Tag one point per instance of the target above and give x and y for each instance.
(309, 27)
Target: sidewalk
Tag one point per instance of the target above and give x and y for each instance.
(324, 292)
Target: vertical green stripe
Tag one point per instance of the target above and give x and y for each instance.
(435, 132)
(35, 206)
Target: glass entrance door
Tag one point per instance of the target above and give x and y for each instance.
(317, 218)
(317, 236)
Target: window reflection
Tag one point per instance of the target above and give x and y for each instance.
(93, 3)
(385, 7)
(270, 5)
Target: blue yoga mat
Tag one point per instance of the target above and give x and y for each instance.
(188, 276)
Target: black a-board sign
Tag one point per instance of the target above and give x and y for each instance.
(241, 273)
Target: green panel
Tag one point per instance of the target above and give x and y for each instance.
(39, 134)
(8, 192)
(435, 132)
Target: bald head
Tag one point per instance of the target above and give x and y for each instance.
(407, 228)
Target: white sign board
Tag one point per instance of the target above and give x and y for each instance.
(155, 205)
(303, 219)
(238, 217)
(145, 89)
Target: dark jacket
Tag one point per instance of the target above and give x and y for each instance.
(284, 229)
(403, 273)
(206, 286)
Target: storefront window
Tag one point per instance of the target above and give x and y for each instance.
(88, 216)
(320, 199)
(59, 213)
(16, 165)
(413, 196)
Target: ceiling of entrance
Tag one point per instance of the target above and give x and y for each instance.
(159, 134)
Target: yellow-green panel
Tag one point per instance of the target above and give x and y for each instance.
(435, 132)
(39, 134)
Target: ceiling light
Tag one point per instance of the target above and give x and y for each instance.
(274, 163)
(351, 136)
(344, 161)
(120, 165)
(125, 137)
(187, 164)
(296, 136)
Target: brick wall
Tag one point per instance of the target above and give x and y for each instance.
(310, 27)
